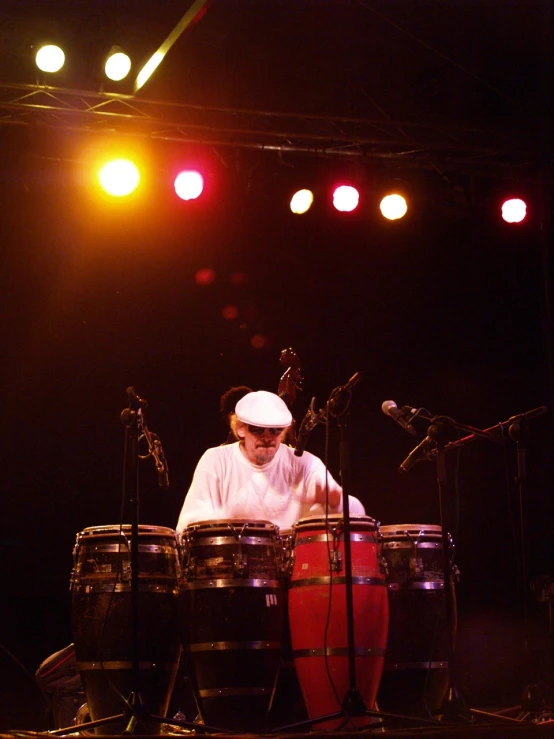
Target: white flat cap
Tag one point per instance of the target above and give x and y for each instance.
(261, 408)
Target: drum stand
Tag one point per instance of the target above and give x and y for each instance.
(136, 718)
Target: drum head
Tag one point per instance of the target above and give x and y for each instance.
(333, 521)
(411, 531)
(125, 530)
(230, 524)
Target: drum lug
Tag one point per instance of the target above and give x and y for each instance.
(189, 567)
(335, 560)
(383, 565)
(287, 562)
(240, 564)
(126, 571)
(416, 568)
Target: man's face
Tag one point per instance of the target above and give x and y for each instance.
(261, 444)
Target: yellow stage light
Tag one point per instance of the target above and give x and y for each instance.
(393, 206)
(301, 201)
(119, 177)
(50, 58)
(118, 65)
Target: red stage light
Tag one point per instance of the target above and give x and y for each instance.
(189, 184)
(514, 210)
(346, 198)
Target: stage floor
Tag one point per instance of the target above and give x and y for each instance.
(474, 723)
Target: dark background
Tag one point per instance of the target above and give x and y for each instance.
(448, 309)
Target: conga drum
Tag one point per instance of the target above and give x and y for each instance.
(318, 615)
(416, 673)
(102, 619)
(231, 616)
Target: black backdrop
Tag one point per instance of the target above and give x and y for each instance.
(445, 310)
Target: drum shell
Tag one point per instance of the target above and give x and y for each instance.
(416, 672)
(102, 619)
(232, 601)
(314, 593)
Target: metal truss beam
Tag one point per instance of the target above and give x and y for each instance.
(400, 143)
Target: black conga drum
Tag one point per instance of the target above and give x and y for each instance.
(318, 614)
(416, 673)
(102, 619)
(231, 615)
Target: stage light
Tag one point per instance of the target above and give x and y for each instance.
(189, 185)
(301, 201)
(50, 58)
(118, 65)
(514, 210)
(346, 198)
(119, 177)
(393, 206)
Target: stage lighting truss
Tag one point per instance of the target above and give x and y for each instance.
(391, 143)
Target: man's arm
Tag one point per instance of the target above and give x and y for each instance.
(202, 501)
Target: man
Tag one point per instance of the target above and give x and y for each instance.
(259, 478)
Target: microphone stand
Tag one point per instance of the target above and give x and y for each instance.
(136, 717)
(442, 431)
(131, 418)
(338, 406)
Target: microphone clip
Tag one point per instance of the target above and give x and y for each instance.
(309, 422)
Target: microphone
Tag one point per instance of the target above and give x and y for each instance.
(399, 415)
(161, 464)
(356, 377)
(308, 423)
(421, 451)
(340, 397)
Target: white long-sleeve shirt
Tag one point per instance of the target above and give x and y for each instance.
(227, 485)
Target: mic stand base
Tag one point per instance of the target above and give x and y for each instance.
(353, 704)
(146, 724)
(453, 707)
(533, 708)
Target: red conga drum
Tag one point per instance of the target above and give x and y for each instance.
(318, 615)
(416, 672)
(102, 619)
(231, 616)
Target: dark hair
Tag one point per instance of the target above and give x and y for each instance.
(229, 399)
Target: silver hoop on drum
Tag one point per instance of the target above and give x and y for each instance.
(231, 595)
(416, 673)
(318, 616)
(101, 616)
